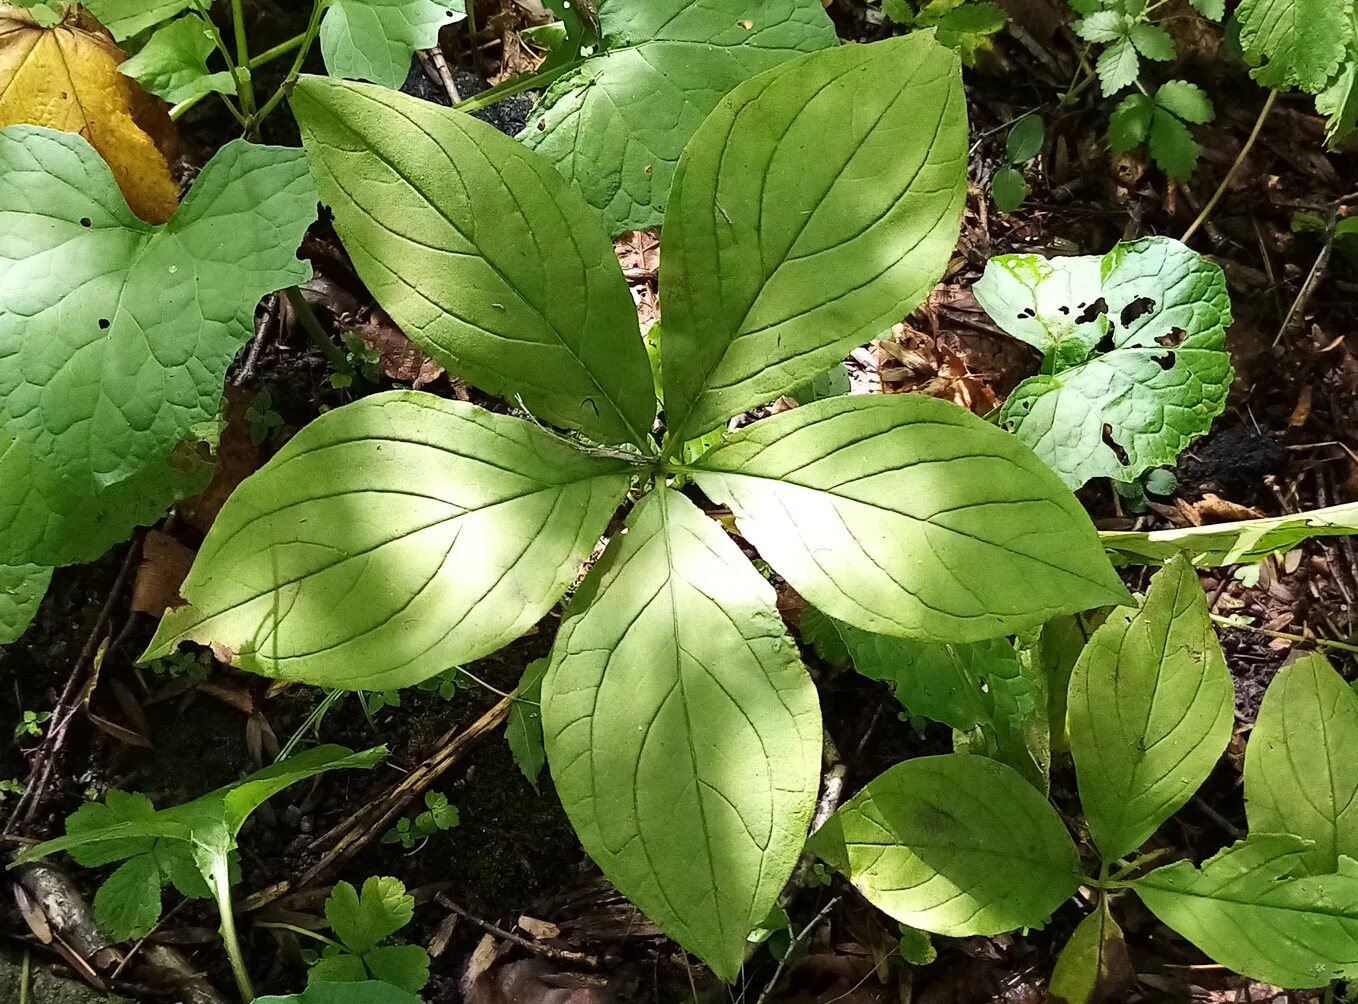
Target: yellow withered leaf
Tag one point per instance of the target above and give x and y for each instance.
(66, 77)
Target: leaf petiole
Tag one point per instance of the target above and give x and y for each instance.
(219, 880)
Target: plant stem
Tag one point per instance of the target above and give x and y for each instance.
(221, 892)
(267, 56)
(1134, 864)
(309, 36)
(293, 928)
(313, 720)
(319, 337)
(245, 87)
(508, 88)
(493, 690)
(1235, 168)
(1286, 636)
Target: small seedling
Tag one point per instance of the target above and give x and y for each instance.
(32, 725)
(1025, 141)
(438, 816)
(361, 924)
(261, 416)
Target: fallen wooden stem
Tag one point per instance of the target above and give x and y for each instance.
(537, 948)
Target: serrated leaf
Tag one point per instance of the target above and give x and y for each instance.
(1301, 764)
(1246, 911)
(847, 491)
(1152, 41)
(1150, 711)
(1187, 101)
(370, 992)
(361, 921)
(173, 63)
(1237, 543)
(1338, 102)
(1094, 965)
(1130, 123)
(1301, 42)
(128, 17)
(524, 728)
(1118, 66)
(336, 966)
(1008, 188)
(115, 335)
(615, 125)
(393, 538)
(375, 39)
(1103, 26)
(1025, 139)
(516, 289)
(127, 905)
(957, 845)
(1213, 10)
(697, 806)
(776, 264)
(1136, 407)
(22, 588)
(66, 77)
(403, 966)
(1172, 146)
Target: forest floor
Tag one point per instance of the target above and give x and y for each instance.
(1287, 442)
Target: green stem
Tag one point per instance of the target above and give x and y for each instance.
(508, 88)
(493, 690)
(1134, 864)
(245, 87)
(313, 721)
(312, 28)
(221, 892)
(293, 928)
(319, 337)
(267, 56)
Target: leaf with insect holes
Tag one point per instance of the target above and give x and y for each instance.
(173, 63)
(115, 335)
(375, 39)
(361, 922)
(1251, 909)
(842, 498)
(516, 289)
(615, 124)
(392, 538)
(1297, 43)
(1150, 710)
(697, 807)
(22, 588)
(1238, 543)
(1301, 764)
(1137, 404)
(956, 845)
(776, 263)
(524, 728)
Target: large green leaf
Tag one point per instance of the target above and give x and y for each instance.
(482, 254)
(1150, 711)
(369, 992)
(1301, 765)
(115, 335)
(1246, 911)
(817, 206)
(980, 689)
(906, 515)
(173, 63)
(1300, 42)
(1162, 308)
(1052, 652)
(374, 39)
(955, 844)
(616, 125)
(128, 17)
(22, 588)
(682, 730)
(1237, 543)
(391, 539)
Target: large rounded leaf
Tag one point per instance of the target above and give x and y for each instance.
(954, 844)
(817, 206)
(907, 515)
(482, 254)
(682, 730)
(391, 539)
(1150, 711)
(22, 588)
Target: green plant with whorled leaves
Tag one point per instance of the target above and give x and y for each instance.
(405, 533)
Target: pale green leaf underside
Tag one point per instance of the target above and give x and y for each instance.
(615, 126)
(906, 515)
(173, 63)
(482, 254)
(1153, 393)
(1150, 711)
(127, 17)
(115, 335)
(1245, 912)
(346, 993)
(391, 539)
(375, 39)
(957, 845)
(22, 588)
(682, 730)
(1301, 764)
(1301, 41)
(1237, 543)
(812, 210)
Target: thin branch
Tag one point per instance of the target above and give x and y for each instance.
(1235, 168)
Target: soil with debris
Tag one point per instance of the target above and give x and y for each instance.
(1285, 444)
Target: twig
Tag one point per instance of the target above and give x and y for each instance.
(1235, 168)
(796, 943)
(262, 329)
(1285, 636)
(436, 57)
(1307, 288)
(316, 331)
(537, 948)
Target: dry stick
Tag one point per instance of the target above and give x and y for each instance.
(439, 61)
(50, 751)
(358, 831)
(796, 944)
(1285, 635)
(1307, 288)
(565, 955)
(1235, 168)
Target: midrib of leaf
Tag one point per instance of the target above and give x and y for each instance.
(639, 437)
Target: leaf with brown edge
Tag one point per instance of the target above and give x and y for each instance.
(1094, 966)
(66, 77)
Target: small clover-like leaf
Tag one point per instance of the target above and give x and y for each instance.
(1163, 308)
(362, 920)
(374, 39)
